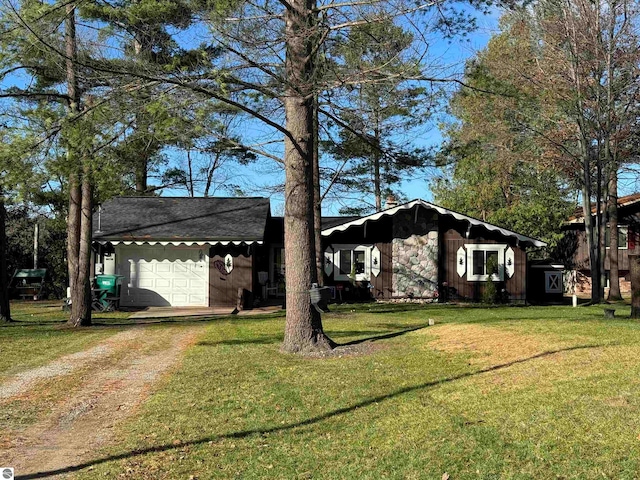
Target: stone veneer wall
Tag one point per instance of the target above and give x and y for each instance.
(415, 254)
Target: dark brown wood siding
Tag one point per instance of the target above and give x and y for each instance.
(378, 234)
(382, 287)
(223, 287)
(578, 252)
(453, 234)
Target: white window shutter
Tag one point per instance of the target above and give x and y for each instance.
(509, 262)
(228, 263)
(375, 261)
(328, 261)
(461, 262)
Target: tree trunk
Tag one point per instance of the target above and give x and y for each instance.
(78, 242)
(303, 328)
(612, 164)
(81, 295)
(317, 200)
(591, 244)
(612, 210)
(141, 175)
(634, 267)
(377, 184)
(210, 172)
(75, 194)
(602, 194)
(376, 181)
(73, 227)
(591, 230)
(141, 167)
(5, 307)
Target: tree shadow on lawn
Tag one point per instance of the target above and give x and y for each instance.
(27, 323)
(269, 339)
(303, 423)
(391, 308)
(384, 336)
(434, 307)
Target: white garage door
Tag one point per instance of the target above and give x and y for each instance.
(163, 276)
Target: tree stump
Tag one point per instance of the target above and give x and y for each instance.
(609, 313)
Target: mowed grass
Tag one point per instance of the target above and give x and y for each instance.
(38, 335)
(531, 392)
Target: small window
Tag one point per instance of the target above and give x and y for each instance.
(358, 261)
(478, 262)
(352, 260)
(345, 262)
(492, 259)
(480, 257)
(623, 237)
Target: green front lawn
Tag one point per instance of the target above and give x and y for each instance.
(38, 335)
(544, 392)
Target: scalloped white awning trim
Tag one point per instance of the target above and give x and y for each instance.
(176, 243)
(441, 211)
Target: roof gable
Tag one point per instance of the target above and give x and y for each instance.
(442, 211)
(627, 201)
(181, 219)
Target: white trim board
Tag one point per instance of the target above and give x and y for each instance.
(177, 243)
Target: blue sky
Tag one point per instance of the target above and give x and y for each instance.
(259, 179)
(455, 53)
(451, 55)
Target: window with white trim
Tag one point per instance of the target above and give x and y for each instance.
(623, 237)
(480, 256)
(352, 260)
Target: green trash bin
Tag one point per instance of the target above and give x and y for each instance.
(109, 287)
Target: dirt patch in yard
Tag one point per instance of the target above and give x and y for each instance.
(82, 422)
(22, 382)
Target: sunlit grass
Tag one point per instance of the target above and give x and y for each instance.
(504, 392)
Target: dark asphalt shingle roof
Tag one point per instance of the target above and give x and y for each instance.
(326, 222)
(625, 201)
(330, 222)
(182, 218)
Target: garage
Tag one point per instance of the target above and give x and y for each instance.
(164, 248)
(163, 275)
